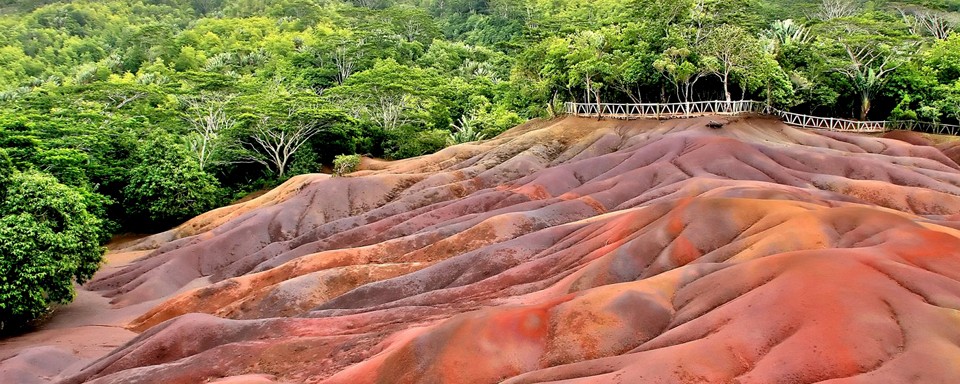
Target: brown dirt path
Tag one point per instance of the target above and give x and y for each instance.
(77, 334)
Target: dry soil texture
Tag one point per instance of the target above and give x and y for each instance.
(571, 250)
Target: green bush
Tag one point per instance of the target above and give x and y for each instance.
(344, 164)
(6, 171)
(48, 240)
(303, 161)
(167, 186)
(409, 142)
(465, 131)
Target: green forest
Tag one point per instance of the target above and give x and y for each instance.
(133, 116)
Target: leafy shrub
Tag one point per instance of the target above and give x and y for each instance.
(465, 131)
(305, 160)
(497, 120)
(167, 186)
(408, 142)
(48, 240)
(344, 164)
(6, 171)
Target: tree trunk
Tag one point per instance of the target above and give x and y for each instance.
(769, 92)
(726, 87)
(591, 92)
(864, 107)
(597, 94)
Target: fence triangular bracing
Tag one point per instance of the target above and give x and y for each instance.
(730, 108)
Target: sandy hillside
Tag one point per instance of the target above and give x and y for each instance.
(570, 250)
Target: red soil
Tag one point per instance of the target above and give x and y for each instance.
(566, 250)
(915, 138)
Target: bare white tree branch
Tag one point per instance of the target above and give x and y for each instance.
(121, 99)
(273, 144)
(936, 24)
(345, 58)
(208, 118)
(832, 9)
(868, 69)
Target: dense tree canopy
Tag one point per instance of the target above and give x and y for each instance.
(85, 82)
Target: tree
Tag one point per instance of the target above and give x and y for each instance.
(412, 24)
(6, 172)
(936, 24)
(633, 60)
(730, 49)
(345, 57)
(208, 118)
(675, 65)
(391, 95)
(834, 9)
(541, 68)
(274, 144)
(275, 138)
(765, 74)
(949, 102)
(203, 7)
(167, 185)
(867, 69)
(665, 13)
(48, 241)
(944, 58)
(857, 55)
(589, 64)
(342, 53)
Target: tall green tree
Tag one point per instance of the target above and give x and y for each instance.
(275, 139)
(391, 95)
(730, 49)
(590, 64)
(865, 50)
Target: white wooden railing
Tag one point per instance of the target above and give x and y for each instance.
(722, 107)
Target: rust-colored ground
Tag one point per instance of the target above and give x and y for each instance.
(571, 250)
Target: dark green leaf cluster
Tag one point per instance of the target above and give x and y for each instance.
(86, 85)
(167, 185)
(48, 241)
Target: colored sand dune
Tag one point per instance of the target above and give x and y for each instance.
(569, 250)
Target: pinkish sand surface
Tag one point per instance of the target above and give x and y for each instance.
(569, 250)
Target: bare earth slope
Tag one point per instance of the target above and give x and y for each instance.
(569, 250)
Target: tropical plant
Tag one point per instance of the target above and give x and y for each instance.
(167, 185)
(785, 32)
(48, 242)
(465, 131)
(344, 164)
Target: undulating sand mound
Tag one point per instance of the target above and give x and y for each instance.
(568, 250)
(915, 138)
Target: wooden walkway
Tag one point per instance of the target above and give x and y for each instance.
(733, 108)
